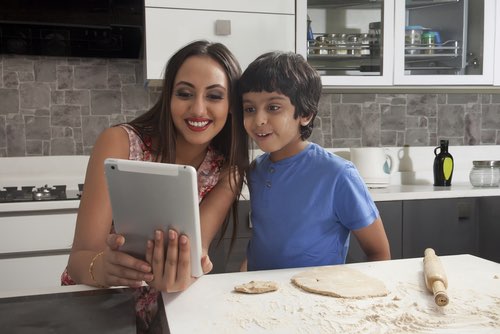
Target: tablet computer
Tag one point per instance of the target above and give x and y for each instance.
(149, 196)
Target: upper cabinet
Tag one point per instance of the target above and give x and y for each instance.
(444, 42)
(400, 42)
(348, 42)
(247, 28)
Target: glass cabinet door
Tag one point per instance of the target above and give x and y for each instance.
(350, 42)
(444, 42)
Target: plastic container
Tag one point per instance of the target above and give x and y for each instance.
(485, 173)
(429, 41)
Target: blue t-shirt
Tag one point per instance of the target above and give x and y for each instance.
(303, 209)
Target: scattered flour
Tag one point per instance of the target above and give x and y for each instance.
(390, 314)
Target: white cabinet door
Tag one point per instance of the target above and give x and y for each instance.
(251, 34)
(30, 273)
(260, 6)
(37, 231)
(465, 55)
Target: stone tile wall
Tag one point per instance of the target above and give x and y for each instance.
(353, 120)
(58, 106)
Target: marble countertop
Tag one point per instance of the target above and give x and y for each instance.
(401, 192)
(415, 192)
(211, 306)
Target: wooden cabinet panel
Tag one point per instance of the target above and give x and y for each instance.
(224, 258)
(450, 226)
(489, 228)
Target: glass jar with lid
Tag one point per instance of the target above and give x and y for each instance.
(485, 173)
(365, 45)
(332, 42)
(322, 45)
(342, 44)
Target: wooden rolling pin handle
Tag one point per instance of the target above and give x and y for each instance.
(440, 296)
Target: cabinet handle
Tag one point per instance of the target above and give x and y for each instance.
(222, 27)
(464, 211)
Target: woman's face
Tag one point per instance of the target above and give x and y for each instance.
(200, 100)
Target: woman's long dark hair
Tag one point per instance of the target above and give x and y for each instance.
(231, 141)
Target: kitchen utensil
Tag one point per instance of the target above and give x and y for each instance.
(374, 164)
(435, 277)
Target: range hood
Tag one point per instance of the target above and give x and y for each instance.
(72, 28)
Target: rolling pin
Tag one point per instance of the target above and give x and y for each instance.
(435, 277)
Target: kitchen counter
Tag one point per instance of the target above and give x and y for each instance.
(401, 192)
(210, 306)
(413, 192)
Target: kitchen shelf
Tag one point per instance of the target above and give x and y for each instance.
(447, 49)
(334, 56)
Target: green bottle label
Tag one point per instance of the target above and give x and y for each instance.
(447, 168)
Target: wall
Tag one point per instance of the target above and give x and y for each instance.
(58, 106)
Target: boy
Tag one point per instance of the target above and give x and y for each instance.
(305, 201)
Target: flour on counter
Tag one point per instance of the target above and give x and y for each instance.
(394, 313)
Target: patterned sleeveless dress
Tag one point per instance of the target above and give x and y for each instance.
(208, 175)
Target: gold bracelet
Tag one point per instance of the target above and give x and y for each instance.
(91, 267)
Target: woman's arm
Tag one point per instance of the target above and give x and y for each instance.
(93, 225)
(373, 241)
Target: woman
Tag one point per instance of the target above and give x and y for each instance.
(192, 123)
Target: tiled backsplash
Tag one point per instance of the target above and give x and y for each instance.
(58, 106)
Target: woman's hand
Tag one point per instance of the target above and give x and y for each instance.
(172, 268)
(114, 267)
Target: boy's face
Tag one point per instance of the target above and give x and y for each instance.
(269, 121)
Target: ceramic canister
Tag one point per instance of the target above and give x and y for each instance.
(374, 164)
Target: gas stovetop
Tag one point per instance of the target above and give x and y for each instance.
(45, 193)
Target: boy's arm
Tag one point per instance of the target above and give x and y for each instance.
(373, 241)
(243, 266)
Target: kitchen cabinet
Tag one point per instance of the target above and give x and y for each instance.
(450, 226)
(352, 40)
(227, 259)
(454, 45)
(489, 228)
(457, 48)
(35, 243)
(391, 213)
(248, 29)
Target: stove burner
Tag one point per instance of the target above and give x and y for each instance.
(45, 193)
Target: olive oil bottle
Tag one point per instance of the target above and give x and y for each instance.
(443, 165)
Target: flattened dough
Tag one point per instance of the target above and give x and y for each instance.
(340, 281)
(257, 287)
